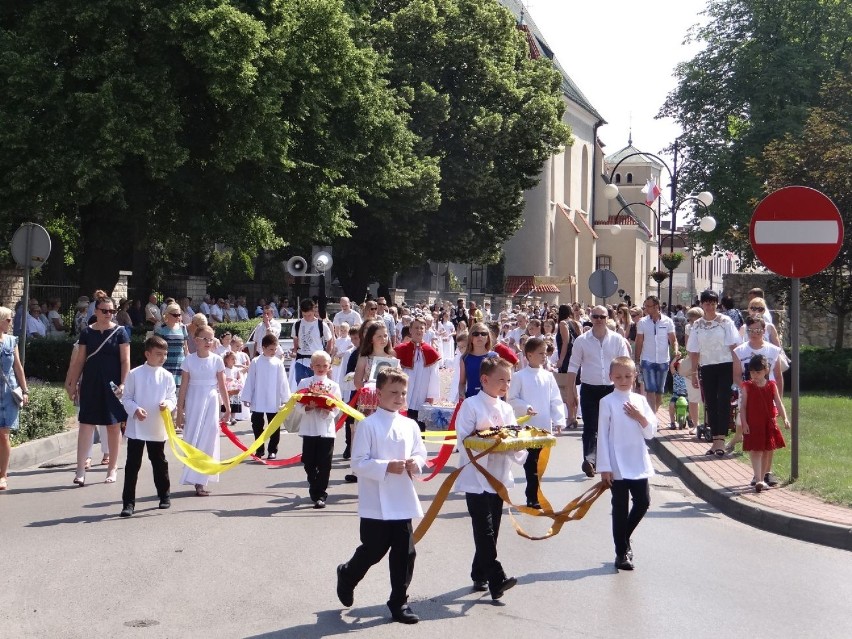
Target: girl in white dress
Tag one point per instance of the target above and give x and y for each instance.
(446, 331)
(202, 391)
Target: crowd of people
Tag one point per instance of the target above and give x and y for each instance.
(606, 366)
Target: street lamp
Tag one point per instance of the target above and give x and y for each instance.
(704, 199)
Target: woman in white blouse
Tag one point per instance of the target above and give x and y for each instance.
(711, 344)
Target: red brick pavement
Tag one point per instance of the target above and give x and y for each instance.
(732, 477)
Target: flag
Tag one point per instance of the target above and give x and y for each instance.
(651, 191)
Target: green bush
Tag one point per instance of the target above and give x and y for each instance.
(243, 329)
(823, 369)
(47, 359)
(45, 414)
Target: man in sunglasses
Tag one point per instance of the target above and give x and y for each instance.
(592, 353)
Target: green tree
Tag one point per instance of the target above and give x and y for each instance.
(159, 128)
(820, 157)
(761, 69)
(487, 116)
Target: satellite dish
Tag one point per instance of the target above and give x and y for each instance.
(322, 261)
(297, 266)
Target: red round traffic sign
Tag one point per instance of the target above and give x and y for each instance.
(796, 231)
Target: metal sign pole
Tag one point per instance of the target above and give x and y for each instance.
(794, 379)
(25, 309)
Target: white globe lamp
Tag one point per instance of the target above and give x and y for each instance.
(707, 224)
(610, 191)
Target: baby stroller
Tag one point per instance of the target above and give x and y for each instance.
(703, 430)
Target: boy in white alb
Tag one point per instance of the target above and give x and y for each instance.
(484, 411)
(533, 390)
(420, 362)
(317, 429)
(266, 390)
(625, 421)
(148, 389)
(388, 452)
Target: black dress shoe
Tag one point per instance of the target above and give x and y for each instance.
(588, 468)
(344, 593)
(347, 453)
(623, 562)
(165, 504)
(319, 503)
(500, 590)
(127, 511)
(404, 614)
(480, 586)
(351, 479)
(534, 504)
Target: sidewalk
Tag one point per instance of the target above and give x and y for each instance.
(724, 483)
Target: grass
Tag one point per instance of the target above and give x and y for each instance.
(825, 448)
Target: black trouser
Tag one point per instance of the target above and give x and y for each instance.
(258, 425)
(415, 415)
(316, 458)
(377, 537)
(347, 436)
(486, 511)
(590, 403)
(157, 457)
(624, 522)
(531, 471)
(716, 382)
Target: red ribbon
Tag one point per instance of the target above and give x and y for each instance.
(438, 462)
(236, 441)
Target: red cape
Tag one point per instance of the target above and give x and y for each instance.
(405, 353)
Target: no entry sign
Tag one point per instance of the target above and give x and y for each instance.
(796, 231)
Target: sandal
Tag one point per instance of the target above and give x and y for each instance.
(110, 478)
(88, 463)
(720, 452)
(3, 483)
(80, 481)
(729, 447)
(105, 460)
(710, 452)
(201, 491)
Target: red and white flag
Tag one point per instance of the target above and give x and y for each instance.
(651, 191)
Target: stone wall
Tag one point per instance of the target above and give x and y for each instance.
(816, 327)
(11, 287)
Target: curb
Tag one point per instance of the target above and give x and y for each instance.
(38, 451)
(781, 523)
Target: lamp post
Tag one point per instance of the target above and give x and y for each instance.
(705, 199)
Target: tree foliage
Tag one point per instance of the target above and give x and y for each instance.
(821, 157)
(759, 73)
(162, 127)
(486, 116)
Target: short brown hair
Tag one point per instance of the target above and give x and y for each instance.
(490, 365)
(155, 341)
(391, 375)
(533, 344)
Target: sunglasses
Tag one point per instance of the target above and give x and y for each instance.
(478, 334)
(757, 308)
(599, 316)
(107, 311)
(175, 314)
(209, 340)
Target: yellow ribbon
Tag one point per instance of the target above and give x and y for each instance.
(203, 463)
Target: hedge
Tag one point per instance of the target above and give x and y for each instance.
(44, 415)
(823, 369)
(48, 359)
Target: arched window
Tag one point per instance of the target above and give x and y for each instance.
(630, 178)
(618, 178)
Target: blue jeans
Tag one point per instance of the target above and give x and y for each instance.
(654, 376)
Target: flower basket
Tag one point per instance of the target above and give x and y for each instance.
(659, 276)
(672, 260)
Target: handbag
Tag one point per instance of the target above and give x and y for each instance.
(17, 393)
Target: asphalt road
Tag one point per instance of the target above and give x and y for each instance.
(256, 560)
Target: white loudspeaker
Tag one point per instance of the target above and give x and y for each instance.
(297, 266)
(322, 261)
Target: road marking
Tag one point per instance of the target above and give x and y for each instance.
(796, 232)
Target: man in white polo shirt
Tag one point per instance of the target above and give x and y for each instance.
(655, 344)
(347, 314)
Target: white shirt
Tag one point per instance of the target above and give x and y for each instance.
(261, 330)
(379, 439)
(205, 308)
(242, 313)
(35, 326)
(622, 450)
(216, 313)
(313, 336)
(152, 312)
(481, 412)
(351, 317)
(595, 357)
(655, 345)
(423, 381)
(345, 387)
(230, 314)
(536, 388)
(266, 389)
(318, 423)
(712, 339)
(146, 387)
(744, 353)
